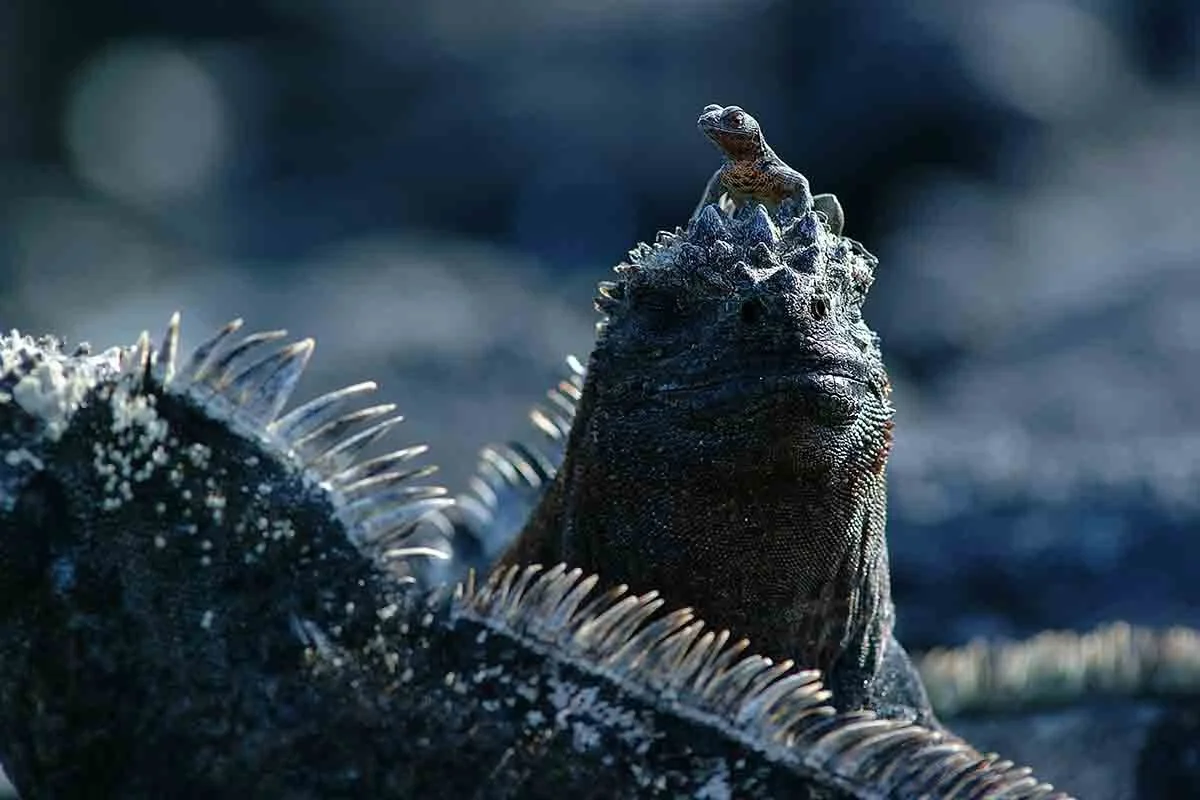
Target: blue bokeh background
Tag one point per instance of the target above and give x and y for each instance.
(433, 187)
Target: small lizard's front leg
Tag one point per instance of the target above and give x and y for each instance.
(712, 193)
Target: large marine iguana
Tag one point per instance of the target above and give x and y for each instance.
(730, 447)
(202, 597)
(731, 438)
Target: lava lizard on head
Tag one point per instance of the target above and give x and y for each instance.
(752, 171)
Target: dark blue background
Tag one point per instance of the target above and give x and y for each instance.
(432, 188)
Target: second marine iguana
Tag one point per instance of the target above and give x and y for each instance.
(729, 447)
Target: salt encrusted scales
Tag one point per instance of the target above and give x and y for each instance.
(47, 383)
(774, 710)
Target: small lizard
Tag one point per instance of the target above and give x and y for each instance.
(752, 171)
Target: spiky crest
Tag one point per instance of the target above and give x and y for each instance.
(720, 251)
(507, 483)
(772, 708)
(246, 384)
(1057, 667)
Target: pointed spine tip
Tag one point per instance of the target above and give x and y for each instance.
(137, 363)
(708, 227)
(760, 228)
(200, 361)
(168, 352)
(609, 296)
(762, 255)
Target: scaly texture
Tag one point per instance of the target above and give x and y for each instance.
(219, 601)
(730, 445)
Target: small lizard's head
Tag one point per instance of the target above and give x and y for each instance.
(747, 326)
(731, 129)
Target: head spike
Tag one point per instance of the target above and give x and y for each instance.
(168, 352)
(611, 289)
(708, 227)
(609, 295)
(805, 229)
(762, 256)
(760, 229)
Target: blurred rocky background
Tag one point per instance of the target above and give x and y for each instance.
(432, 188)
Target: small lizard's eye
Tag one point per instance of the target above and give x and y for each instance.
(736, 119)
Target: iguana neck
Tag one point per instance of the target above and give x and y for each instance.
(740, 522)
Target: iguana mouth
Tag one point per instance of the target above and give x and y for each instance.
(831, 393)
(813, 372)
(767, 383)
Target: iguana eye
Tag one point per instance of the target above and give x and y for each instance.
(736, 119)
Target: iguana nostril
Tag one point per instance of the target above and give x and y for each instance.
(751, 311)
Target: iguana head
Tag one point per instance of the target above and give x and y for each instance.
(748, 327)
(735, 132)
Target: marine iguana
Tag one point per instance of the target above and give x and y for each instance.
(203, 597)
(732, 435)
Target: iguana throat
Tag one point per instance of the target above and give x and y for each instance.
(756, 528)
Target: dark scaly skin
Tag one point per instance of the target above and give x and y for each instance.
(752, 171)
(394, 701)
(730, 445)
(203, 599)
